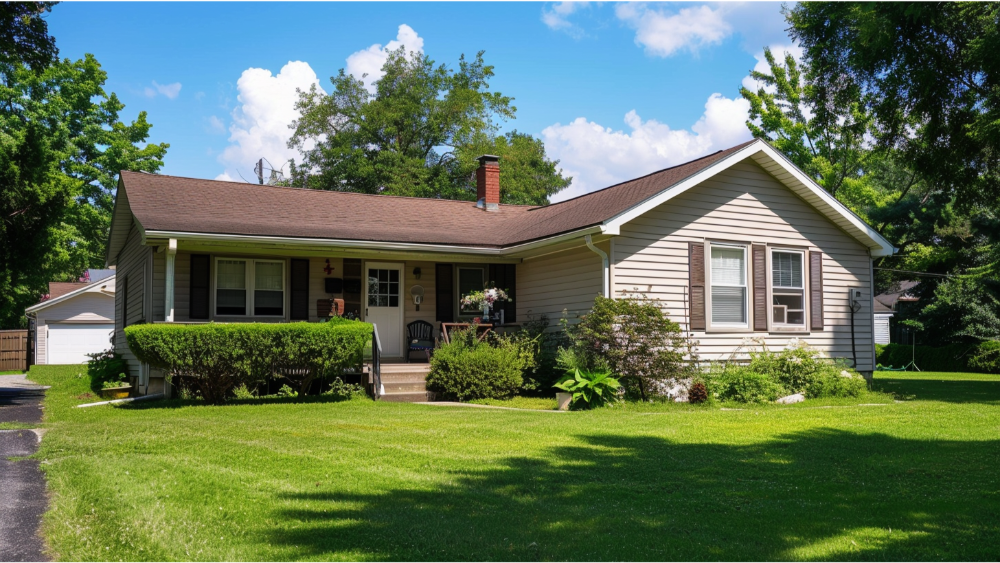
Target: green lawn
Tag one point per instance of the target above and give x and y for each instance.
(916, 479)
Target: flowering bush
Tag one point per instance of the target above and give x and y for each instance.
(480, 299)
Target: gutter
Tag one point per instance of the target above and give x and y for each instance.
(606, 266)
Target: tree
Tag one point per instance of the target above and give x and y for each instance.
(416, 134)
(24, 34)
(61, 148)
(927, 73)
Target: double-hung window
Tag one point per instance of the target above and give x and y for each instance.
(728, 278)
(787, 289)
(245, 287)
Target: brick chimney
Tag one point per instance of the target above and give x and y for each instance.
(488, 183)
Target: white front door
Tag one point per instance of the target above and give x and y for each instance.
(384, 300)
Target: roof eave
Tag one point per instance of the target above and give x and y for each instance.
(67, 296)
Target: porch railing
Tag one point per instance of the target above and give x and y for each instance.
(375, 372)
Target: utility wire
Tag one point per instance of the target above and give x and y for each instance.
(917, 273)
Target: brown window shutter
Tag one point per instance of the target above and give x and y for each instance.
(816, 290)
(200, 286)
(759, 287)
(299, 284)
(444, 292)
(696, 282)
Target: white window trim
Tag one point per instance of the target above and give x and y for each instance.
(710, 325)
(458, 290)
(250, 286)
(786, 328)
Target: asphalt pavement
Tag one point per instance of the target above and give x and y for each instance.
(22, 486)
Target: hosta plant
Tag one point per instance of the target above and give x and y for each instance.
(590, 388)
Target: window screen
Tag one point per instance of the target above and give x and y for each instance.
(231, 287)
(729, 287)
(469, 280)
(269, 288)
(787, 290)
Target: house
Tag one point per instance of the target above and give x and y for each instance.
(736, 244)
(76, 319)
(887, 305)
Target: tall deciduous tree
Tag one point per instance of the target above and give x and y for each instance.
(62, 146)
(24, 34)
(416, 134)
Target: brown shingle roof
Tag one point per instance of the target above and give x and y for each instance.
(170, 203)
(58, 289)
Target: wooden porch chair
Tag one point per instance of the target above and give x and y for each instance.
(419, 337)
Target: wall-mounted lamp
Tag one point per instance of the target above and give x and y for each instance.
(416, 273)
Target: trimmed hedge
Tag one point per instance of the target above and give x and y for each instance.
(213, 359)
(951, 358)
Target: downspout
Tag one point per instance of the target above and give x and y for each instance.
(606, 287)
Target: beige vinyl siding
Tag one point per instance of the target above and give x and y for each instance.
(317, 283)
(133, 263)
(428, 307)
(745, 204)
(90, 307)
(182, 287)
(563, 284)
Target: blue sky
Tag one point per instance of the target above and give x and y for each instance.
(615, 90)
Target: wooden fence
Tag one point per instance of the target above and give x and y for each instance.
(13, 350)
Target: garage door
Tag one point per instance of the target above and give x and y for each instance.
(70, 343)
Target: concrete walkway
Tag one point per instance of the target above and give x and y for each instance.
(22, 486)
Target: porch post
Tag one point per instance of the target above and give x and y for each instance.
(168, 290)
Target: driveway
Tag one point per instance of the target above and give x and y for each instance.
(23, 499)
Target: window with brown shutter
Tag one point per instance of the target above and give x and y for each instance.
(759, 287)
(816, 290)
(200, 286)
(299, 285)
(444, 292)
(696, 284)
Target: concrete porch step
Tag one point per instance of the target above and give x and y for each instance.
(408, 397)
(404, 386)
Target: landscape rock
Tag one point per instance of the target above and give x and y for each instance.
(796, 398)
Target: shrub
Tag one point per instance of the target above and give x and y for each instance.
(590, 388)
(544, 371)
(951, 358)
(467, 368)
(107, 366)
(632, 337)
(739, 383)
(986, 358)
(212, 359)
(344, 391)
(698, 393)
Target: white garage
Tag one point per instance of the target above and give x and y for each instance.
(70, 325)
(69, 343)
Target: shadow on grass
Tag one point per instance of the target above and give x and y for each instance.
(814, 495)
(955, 391)
(181, 403)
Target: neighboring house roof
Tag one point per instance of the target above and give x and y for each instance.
(170, 206)
(104, 286)
(901, 291)
(57, 289)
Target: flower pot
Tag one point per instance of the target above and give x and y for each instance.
(116, 392)
(563, 400)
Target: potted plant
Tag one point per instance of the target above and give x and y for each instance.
(116, 387)
(485, 299)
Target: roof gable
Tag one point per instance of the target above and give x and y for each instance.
(104, 286)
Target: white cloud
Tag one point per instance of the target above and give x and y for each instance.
(557, 17)
(369, 61)
(171, 91)
(214, 126)
(597, 156)
(664, 33)
(265, 108)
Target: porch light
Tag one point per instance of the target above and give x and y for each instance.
(416, 273)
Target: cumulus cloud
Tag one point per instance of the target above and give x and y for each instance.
(171, 91)
(265, 109)
(597, 156)
(369, 61)
(664, 33)
(557, 17)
